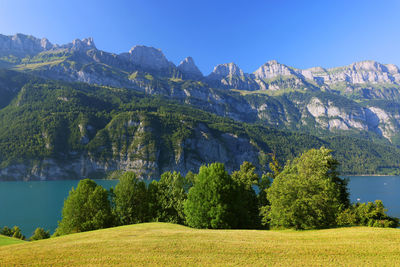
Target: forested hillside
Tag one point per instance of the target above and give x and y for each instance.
(57, 130)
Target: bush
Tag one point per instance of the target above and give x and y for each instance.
(39, 234)
(17, 233)
(367, 214)
(14, 232)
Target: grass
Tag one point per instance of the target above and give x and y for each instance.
(34, 66)
(167, 244)
(5, 240)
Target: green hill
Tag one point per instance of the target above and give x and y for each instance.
(168, 244)
(5, 240)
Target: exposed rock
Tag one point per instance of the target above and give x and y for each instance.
(272, 69)
(230, 76)
(82, 45)
(189, 69)
(23, 45)
(148, 58)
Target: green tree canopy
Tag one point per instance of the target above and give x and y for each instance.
(211, 201)
(17, 233)
(131, 200)
(308, 193)
(39, 234)
(247, 209)
(86, 208)
(168, 196)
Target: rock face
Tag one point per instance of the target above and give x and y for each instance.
(230, 76)
(23, 45)
(148, 70)
(142, 157)
(189, 69)
(358, 73)
(81, 45)
(272, 69)
(148, 58)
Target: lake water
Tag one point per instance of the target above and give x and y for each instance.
(36, 204)
(39, 204)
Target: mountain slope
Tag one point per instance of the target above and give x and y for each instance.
(263, 96)
(58, 130)
(138, 111)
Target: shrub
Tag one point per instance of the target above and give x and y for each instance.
(39, 234)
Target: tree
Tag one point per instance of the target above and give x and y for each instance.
(86, 208)
(308, 193)
(168, 196)
(12, 232)
(17, 233)
(130, 200)
(247, 209)
(7, 231)
(211, 200)
(263, 185)
(367, 214)
(39, 234)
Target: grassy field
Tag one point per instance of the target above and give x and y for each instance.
(5, 240)
(168, 244)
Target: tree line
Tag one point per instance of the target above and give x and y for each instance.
(306, 194)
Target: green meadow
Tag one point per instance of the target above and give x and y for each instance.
(168, 244)
(5, 240)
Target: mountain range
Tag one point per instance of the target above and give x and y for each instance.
(359, 101)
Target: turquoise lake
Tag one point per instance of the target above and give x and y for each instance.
(38, 204)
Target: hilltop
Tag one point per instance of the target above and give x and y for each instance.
(168, 244)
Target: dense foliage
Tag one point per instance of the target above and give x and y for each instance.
(247, 203)
(86, 208)
(39, 234)
(12, 232)
(212, 200)
(130, 200)
(167, 197)
(308, 193)
(367, 214)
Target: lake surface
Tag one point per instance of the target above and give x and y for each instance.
(38, 204)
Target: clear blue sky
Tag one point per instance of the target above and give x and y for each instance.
(301, 34)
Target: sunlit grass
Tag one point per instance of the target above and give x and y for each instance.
(168, 244)
(5, 240)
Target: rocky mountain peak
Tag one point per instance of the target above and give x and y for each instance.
(148, 57)
(45, 44)
(21, 44)
(189, 68)
(271, 69)
(368, 65)
(83, 45)
(227, 69)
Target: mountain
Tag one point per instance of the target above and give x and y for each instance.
(358, 102)
(60, 130)
(189, 69)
